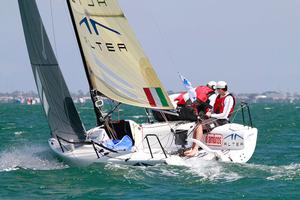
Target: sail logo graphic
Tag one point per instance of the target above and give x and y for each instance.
(95, 26)
(103, 44)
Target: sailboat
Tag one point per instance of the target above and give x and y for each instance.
(116, 68)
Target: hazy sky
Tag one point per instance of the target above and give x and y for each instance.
(253, 45)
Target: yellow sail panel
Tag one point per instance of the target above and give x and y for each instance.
(116, 63)
(98, 7)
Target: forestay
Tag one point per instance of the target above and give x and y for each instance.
(115, 62)
(59, 108)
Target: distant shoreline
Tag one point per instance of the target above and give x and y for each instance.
(80, 96)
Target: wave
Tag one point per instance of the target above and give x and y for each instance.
(18, 132)
(28, 157)
(138, 116)
(283, 172)
(215, 171)
(8, 128)
(195, 170)
(212, 170)
(268, 108)
(86, 108)
(36, 157)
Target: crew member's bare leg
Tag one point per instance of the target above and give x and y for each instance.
(198, 133)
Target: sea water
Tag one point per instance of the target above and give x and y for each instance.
(29, 170)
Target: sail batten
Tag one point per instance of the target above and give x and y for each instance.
(115, 63)
(57, 103)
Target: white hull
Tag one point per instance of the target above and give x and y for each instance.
(228, 143)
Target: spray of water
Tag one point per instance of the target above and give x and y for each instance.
(197, 170)
(29, 157)
(283, 172)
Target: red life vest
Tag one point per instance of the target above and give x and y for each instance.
(219, 104)
(202, 92)
(180, 100)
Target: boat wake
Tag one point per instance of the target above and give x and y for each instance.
(29, 157)
(212, 170)
(283, 172)
(215, 171)
(195, 170)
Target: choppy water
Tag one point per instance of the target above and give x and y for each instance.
(28, 169)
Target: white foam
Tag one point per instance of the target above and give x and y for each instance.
(86, 108)
(28, 157)
(283, 172)
(8, 127)
(268, 108)
(128, 172)
(211, 170)
(199, 169)
(170, 173)
(138, 116)
(18, 132)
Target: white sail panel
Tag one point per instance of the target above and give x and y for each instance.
(115, 61)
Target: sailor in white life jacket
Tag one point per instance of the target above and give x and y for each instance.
(222, 110)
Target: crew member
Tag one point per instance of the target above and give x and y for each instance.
(213, 95)
(222, 110)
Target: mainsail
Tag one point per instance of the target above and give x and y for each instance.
(114, 60)
(59, 108)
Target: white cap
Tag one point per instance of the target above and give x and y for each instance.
(212, 84)
(221, 85)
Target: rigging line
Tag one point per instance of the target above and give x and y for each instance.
(168, 51)
(43, 41)
(166, 119)
(236, 112)
(68, 17)
(168, 135)
(215, 119)
(53, 27)
(163, 138)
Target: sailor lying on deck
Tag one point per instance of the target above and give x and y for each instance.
(222, 110)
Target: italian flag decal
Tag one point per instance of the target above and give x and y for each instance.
(156, 97)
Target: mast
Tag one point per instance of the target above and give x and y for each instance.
(93, 92)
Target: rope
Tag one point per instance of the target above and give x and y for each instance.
(234, 112)
(53, 27)
(169, 135)
(168, 51)
(110, 130)
(67, 14)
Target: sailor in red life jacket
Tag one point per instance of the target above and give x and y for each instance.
(222, 110)
(203, 93)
